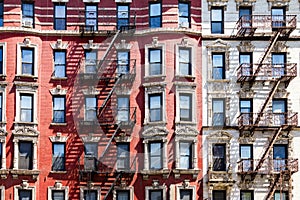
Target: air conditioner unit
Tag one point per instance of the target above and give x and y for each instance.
(27, 23)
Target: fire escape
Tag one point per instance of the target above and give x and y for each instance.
(278, 123)
(107, 76)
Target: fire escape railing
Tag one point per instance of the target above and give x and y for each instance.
(115, 115)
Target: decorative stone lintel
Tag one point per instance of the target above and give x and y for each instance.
(164, 172)
(179, 172)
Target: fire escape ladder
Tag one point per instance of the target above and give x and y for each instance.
(110, 140)
(270, 96)
(272, 42)
(108, 49)
(261, 161)
(273, 187)
(109, 94)
(118, 177)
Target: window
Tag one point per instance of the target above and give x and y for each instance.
(59, 109)
(123, 109)
(59, 16)
(123, 157)
(245, 13)
(122, 16)
(281, 195)
(1, 157)
(27, 14)
(279, 108)
(27, 61)
(219, 195)
(156, 194)
(155, 155)
(90, 108)
(185, 103)
(218, 62)
(155, 15)
(246, 155)
(59, 64)
(185, 66)
(1, 107)
(58, 156)
(184, 14)
(279, 157)
(185, 151)
(217, 21)
(155, 62)
(123, 62)
(26, 110)
(246, 64)
(246, 195)
(90, 194)
(91, 155)
(155, 107)
(278, 17)
(25, 194)
(246, 111)
(218, 118)
(90, 62)
(123, 194)
(91, 15)
(25, 155)
(186, 194)
(219, 157)
(278, 64)
(58, 194)
(1, 13)
(1, 60)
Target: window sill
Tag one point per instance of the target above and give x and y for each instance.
(162, 77)
(158, 123)
(219, 80)
(58, 172)
(21, 76)
(58, 124)
(87, 123)
(25, 123)
(190, 123)
(178, 172)
(24, 172)
(59, 78)
(151, 172)
(189, 77)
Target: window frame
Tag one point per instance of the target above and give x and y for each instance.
(55, 24)
(160, 108)
(31, 62)
(88, 108)
(251, 192)
(247, 163)
(93, 188)
(189, 63)
(58, 187)
(160, 156)
(223, 112)
(188, 17)
(31, 108)
(125, 158)
(62, 65)
(222, 67)
(89, 27)
(190, 108)
(27, 45)
(63, 157)
(59, 110)
(159, 16)
(119, 25)
(222, 192)
(88, 65)
(30, 152)
(223, 166)
(151, 63)
(1, 14)
(159, 187)
(121, 63)
(190, 155)
(31, 16)
(219, 22)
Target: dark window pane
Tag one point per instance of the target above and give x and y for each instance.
(25, 155)
(60, 17)
(122, 16)
(219, 157)
(58, 195)
(58, 157)
(123, 195)
(25, 194)
(156, 194)
(219, 195)
(186, 194)
(90, 195)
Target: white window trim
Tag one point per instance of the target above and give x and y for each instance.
(85, 106)
(155, 88)
(27, 43)
(155, 45)
(4, 46)
(3, 158)
(2, 193)
(26, 89)
(186, 88)
(91, 1)
(24, 186)
(123, 1)
(185, 187)
(156, 187)
(60, 1)
(3, 92)
(90, 187)
(184, 44)
(127, 188)
(58, 186)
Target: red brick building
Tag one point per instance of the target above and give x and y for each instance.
(100, 99)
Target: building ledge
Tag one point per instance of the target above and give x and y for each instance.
(146, 173)
(31, 77)
(58, 172)
(59, 78)
(24, 172)
(179, 172)
(58, 124)
(188, 77)
(4, 173)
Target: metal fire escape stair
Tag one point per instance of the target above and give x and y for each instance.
(274, 186)
(262, 159)
(118, 177)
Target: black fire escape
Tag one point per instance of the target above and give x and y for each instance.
(276, 28)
